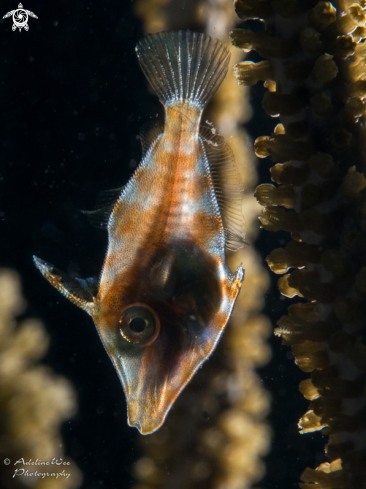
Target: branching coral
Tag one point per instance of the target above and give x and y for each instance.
(315, 75)
(33, 401)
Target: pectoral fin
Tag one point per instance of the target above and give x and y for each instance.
(79, 291)
(106, 201)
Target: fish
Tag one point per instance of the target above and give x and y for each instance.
(165, 292)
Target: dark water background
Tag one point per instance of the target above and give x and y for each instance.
(72, 101)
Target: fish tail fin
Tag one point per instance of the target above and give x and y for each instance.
(183, 65)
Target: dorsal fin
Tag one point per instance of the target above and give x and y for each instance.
(108, 197)
(79, 291)
(105, 203)
(227, 184)
(149, 133)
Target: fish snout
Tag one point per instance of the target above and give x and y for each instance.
(143, 417)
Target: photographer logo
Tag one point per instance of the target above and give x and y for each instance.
(20, 17)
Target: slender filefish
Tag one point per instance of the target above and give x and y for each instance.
(165, 292)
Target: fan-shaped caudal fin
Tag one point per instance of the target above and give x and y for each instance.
(80, 292)
(183, 65)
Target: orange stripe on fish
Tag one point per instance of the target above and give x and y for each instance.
(166, 293)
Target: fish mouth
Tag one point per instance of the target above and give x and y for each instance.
(151, 394)
(150, 387)
(136, 424)
(143, 420)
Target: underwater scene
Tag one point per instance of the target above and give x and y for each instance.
(191, 174)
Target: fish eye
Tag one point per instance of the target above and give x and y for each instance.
(139, 324)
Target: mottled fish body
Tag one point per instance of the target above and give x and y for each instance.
(166, 293)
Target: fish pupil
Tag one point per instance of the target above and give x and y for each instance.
(137, 325)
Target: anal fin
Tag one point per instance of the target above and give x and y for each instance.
(227, 185)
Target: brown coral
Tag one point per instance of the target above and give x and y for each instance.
(317, 89)
(33, 400)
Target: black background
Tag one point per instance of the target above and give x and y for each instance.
(72, 101)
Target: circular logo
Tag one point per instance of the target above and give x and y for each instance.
(6, 461)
